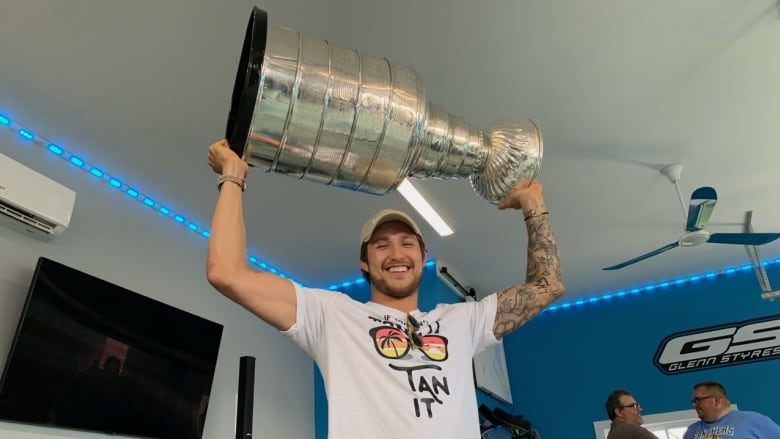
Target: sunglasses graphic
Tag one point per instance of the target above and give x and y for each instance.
(393, 343)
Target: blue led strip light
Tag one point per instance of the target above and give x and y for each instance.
(579, 303)
(649, 288)
(118, 184)
(150, 202)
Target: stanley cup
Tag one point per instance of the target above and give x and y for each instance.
(316, 111)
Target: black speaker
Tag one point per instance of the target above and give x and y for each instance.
(246, 394)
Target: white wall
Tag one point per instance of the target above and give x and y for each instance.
(159, 259)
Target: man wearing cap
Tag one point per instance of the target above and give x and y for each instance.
(390, 370)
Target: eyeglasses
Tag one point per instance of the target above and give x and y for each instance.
(697, 400)
(634, 406)
(391, 342)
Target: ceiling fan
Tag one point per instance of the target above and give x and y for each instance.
(700, 209)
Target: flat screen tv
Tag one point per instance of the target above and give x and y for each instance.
(90, 355)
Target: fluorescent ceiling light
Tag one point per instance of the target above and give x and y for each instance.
(424, 208)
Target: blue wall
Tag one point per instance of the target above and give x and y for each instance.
(564, 363)
(432, 292)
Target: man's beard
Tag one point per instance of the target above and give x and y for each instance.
(402, 292)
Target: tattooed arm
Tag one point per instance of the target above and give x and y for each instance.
(544, 279)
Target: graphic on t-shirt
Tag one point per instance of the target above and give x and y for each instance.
(395, 340)
(716, 432)
(393, 343)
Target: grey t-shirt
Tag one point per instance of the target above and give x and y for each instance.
(624, 430)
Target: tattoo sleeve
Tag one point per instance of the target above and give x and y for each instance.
(543, 281)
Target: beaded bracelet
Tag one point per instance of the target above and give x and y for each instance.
(239, 181)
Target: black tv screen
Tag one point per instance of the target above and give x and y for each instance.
(90, 355)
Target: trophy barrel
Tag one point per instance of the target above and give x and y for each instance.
(314, 110)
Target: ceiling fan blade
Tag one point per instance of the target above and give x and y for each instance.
(644, 256)
(700, 209)
(743, 238)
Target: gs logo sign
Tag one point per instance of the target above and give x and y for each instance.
(719, 346)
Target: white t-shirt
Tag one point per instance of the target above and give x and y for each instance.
(378, 386)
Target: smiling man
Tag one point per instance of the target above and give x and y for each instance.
(626, 416)
(390, 370)
(398, 255)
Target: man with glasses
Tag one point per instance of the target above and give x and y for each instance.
(390, 370)
(719, 421)
(626, 416)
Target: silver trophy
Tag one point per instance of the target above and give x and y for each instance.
(316, 111)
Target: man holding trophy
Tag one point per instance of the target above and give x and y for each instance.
(335, 117)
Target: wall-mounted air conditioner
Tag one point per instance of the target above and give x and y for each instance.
(33, 203)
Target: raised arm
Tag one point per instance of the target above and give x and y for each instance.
(544, 279)
(270, 297)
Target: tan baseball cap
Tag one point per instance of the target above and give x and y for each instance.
(384, 216)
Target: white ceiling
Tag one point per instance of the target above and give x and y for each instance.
(619, 89)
